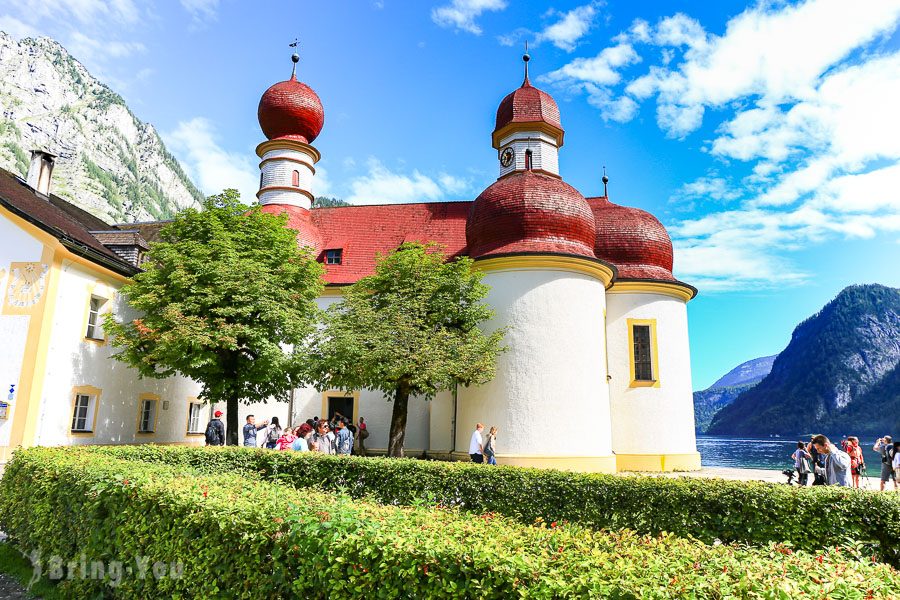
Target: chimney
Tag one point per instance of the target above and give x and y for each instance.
(40, 171)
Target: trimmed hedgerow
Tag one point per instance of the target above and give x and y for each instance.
(229, 536)
(706, 509)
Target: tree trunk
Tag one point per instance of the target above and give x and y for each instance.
(231, 421)
(398, 421)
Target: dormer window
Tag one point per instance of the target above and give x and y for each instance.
(295, 179)
(333, 256)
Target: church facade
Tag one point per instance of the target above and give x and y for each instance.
(597, 373)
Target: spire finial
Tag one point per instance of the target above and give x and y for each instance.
(525, 59)
(605, 180)
(295, 58)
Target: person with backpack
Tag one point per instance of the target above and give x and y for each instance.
(800, 457)
(273, 433)
(250, 429)
(837, 462)
(215, 430)
(885, 446)
(321, 440)
(343, 443)
(818, 464)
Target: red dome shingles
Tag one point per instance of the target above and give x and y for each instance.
(528, 105)
(299, 219)
(291, 110)
(527, 212)
(633, 240)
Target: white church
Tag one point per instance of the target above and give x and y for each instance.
(596, 378)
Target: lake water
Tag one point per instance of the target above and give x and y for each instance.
(767, 453)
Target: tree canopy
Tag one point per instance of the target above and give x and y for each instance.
(227, 299)
(411, 328)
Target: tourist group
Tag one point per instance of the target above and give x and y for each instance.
(833, 466)
(337, 436)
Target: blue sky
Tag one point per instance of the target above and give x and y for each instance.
(764, 135)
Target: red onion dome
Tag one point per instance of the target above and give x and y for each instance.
(291, 110)
(528, 105)
(527, 212)
(299, 219)
(633, 240)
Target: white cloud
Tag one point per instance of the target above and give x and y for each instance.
(711, 186)
(461, 14)
(381, 185)
(201, 10)
(571, 27)
(806, 99)
(209, 165)
(86, 12)
(88, 49)
(603, 69)
(16, 28)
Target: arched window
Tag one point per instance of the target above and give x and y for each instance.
(295, 179)
(260, 179)
(528, 160)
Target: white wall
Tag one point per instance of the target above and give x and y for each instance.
(277, 168)
(651, 420)
(73, 361)
(549, 397)
(15, 246)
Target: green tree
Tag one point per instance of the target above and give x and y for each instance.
(409, 329)
(227, 299)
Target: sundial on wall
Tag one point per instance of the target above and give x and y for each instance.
(26, 284)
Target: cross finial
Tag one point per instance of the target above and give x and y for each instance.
(525, 59)
(295, 58)
(605, 180)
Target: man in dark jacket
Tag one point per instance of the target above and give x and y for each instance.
(215, 430)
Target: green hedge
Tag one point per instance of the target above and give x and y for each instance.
(240, 538)
(706, 509)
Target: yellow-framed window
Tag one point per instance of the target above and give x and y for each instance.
(95, 318)
(643, 353)
(85, 404)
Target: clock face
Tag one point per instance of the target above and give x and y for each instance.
(507, 156)
(26, 285)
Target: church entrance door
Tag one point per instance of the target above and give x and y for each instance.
(340, 404)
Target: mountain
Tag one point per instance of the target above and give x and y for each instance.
(751, 372)
(731, 385)
(838, 374)
(108, 161)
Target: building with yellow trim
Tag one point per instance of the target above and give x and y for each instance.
(597, 373)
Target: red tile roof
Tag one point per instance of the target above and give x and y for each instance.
(64, 221)
(362, 232)
(527, 104)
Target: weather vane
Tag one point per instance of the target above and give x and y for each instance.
(526, 58)
(295, 58)
(605, 180)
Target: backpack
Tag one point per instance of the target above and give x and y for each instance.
(212, 434)
(273, 434)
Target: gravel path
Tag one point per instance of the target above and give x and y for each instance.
(10, 589)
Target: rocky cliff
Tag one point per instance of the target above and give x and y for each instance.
(109, 162)
(839, 374)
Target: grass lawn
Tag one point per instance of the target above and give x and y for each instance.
(17, 566)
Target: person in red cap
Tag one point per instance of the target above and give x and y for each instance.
(215, 430)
